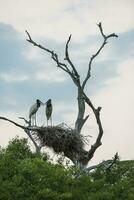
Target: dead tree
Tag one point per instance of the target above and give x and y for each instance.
(67, 140)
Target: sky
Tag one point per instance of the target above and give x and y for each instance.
(28, 73)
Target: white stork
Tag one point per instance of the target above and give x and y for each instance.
(32, 112)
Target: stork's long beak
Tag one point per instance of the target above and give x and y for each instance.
(41, 103)
(44, 103)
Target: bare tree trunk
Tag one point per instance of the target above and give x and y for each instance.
(81, 111)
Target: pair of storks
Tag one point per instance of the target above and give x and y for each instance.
(34, 108)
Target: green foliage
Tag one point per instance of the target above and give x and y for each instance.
(28, 176)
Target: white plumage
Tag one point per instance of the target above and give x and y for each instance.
(32, 112)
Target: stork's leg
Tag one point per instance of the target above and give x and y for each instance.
(51, 120)
(35, 119)
(32, 121)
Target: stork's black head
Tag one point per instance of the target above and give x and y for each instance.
(48, 102)
(38, 102)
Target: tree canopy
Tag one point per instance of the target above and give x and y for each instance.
(27, 175)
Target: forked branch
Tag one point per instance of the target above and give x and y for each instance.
(74, 71)
(54, 56)
(105, 38)
(28, 131)
(107, 164)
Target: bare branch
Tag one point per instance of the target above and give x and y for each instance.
(27, 131)
(115, 159)
(54, 56)
(30, 39)
(102, 164)
(30, 128)
(104, 36)
(98, 120)
(85, 119)
(101, 30)
(38, 45)
(112, 35)
(97, 53)
(107, 164)
(26, 121)
(68, 59)
(37, 147)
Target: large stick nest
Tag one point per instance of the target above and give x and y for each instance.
(61, 138)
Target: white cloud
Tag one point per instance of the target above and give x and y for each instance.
(13, 77)
(51, 76)
(117, 100)
(7, 130)
(47, 75)
(116, 15)
(31, 53)
(68, 112)
(58, 19)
